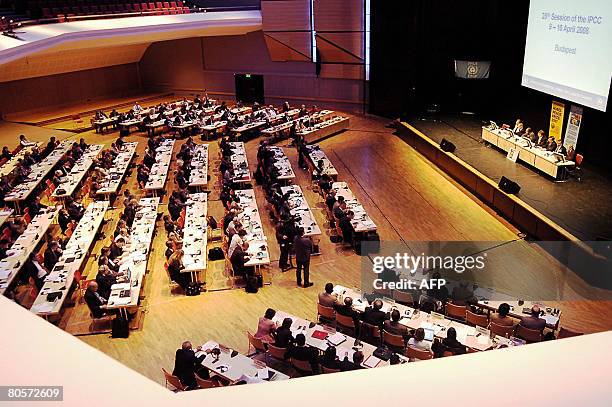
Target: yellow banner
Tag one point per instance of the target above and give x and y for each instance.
(556, 120)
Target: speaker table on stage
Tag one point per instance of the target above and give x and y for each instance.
(509, 186)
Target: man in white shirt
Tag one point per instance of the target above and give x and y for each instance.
(24, 142)
(418, 341)
(41, 273)
(237, 240)
(137, 108)
(233, 228)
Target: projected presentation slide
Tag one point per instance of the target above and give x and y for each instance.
(568, 52)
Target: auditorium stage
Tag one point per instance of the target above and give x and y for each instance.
(582, 208)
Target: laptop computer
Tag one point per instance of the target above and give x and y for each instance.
(429, 334)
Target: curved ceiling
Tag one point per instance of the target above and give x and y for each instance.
(50, 49)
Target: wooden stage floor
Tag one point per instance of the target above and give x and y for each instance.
(409, 200)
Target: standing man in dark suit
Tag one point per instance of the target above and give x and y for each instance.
(186, 365)
(348, 231)
(303, 249)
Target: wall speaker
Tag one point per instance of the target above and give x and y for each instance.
(509, 186)
(447, 146)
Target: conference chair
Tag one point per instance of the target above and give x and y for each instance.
(326, 314)
(394, 342)
(346, 323)
(257, 344)
(95, 322)
(327, 370)
(457, 312)
(173, 381)
(476, 319)
(385, 292)
(500, 330)
(427, 303)
(370, 333)
(277, 353)
(403, 297)
(27, 218)
(530, 335)
(302, 366)
(418, 354)
(566, 333)
(205, 383)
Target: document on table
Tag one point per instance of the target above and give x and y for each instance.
(336, 339)
(372, 361)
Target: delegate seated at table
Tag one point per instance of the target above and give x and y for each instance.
(502, 318)
(533, 321)
(187, 365)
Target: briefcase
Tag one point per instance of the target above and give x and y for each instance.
(120, 328)
(54, 295)
(382, 353)
(215, 253)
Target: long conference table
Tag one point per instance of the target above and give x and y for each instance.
(301, 209)
(59, 281)
(317, 155)
(116, 173)
(239, 131)
(78, 172)
(39, 172)
(519, 310)
(239, 162)
(135, 257)
(195, 236)
(321, 337)
(10, 165)
(548, 162)
(25, 245)
(234, 366)
(324, 128)
(199, 167)
(472, 337)
(102, 124)
(5, 214)
(292, 115)
(282, 164)
(251, 222)
(362, 223)
(159, 170)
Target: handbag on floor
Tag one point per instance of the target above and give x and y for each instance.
(192, 289)
(216, 253)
